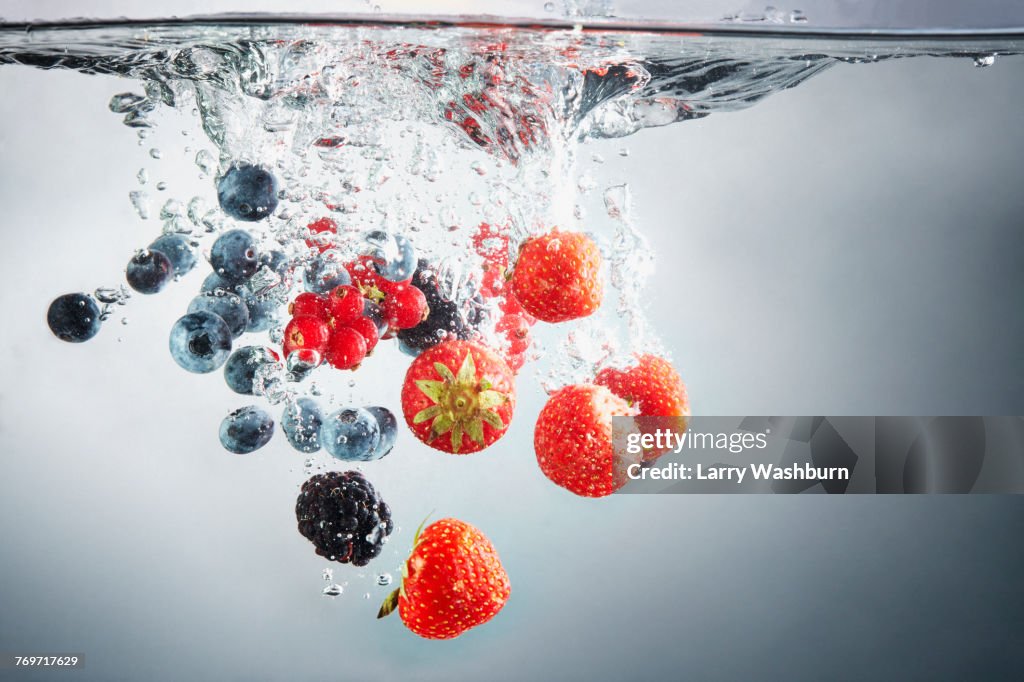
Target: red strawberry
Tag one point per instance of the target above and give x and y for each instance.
(305, 331)
(458, 397)
(452, 581)
(346, 348)
(325, 228)
(653, 387)
(557, 276)
(573, 439)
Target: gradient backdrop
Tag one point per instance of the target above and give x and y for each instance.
(853, 246)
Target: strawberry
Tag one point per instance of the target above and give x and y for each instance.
(653, 387)
(557, 276)
(573, 439)
(458, 397)
(320, 241)
(452, 581)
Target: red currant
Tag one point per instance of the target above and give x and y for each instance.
(405, 306)
(345, 306)
(309, 304)
(318, 227)
(305, 331)
(368, 329)
(346, 349)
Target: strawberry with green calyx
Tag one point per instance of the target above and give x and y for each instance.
(452, 581)
(458, 397)
(653, 387)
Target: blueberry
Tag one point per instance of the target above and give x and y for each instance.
(149, 271)
(388, 430)
(247, 192)
(373, 312)
(301, 422)
(262, 312)
(240, 369)
(234, 256)
(200, 342)
(178, 251)
(73, 318)
(394, 258)
(246, 430)
(326, 272)
(213, 282)
(278, 262)
(229, 307)
(351, 434)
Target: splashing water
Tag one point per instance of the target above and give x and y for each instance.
(430, 132)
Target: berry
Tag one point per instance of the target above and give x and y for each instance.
(234, 256)
(305, 331)
(178, 252)
(301, 423)
(452, 581)
(405, 306)
(458, 397)
(653, 387)
(343, 516)
(247, 192)
(148, 272)
(363, 273)
(573, 439)
(326, 272)
(388, 430)
(278, 262)
(323, 230)
(214, 283)
(308, 303)
(240, 368)
(368, 330)
(230, 307)
(373, 313)
(262, 311)
(557, 276)
(346, 348)
(73, 318)
(246, 430)
(344, 306)
(351, 434)
(394, 257)
(445, 320)
(200, 342)
(516, 331)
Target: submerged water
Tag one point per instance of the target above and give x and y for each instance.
(429, 132)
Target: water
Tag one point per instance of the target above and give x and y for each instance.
(430, 132)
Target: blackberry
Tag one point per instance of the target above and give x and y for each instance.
(446, 320)
(343, 516)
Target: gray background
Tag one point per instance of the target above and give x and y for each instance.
(850, 247)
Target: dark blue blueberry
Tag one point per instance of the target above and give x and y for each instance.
(246, 430)
(407, 349)
(230, 307)
(240, 369)
(262, 312)
(326, 272)
(213, 282)
(278, 262)
(73, 318)
(301, 423)
(149, 271)
(373, 312)
(388, 430)
(394, 258)
(247, 192)
(351, 434)
(234, 256)
(200, 342)
(178, 251)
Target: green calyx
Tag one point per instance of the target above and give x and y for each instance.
(461, 403)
